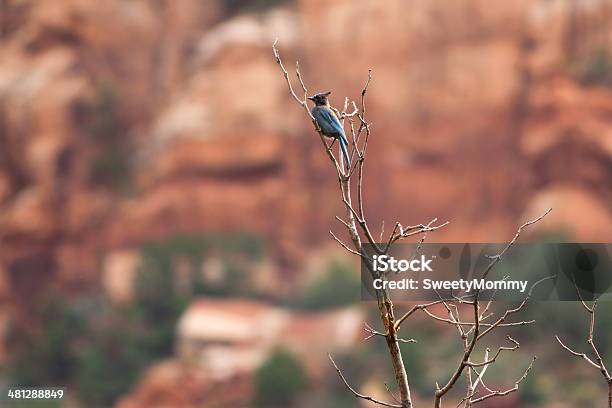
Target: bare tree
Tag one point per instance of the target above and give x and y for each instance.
(598, 363)
(472, 330)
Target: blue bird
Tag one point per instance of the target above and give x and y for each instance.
(329, 123)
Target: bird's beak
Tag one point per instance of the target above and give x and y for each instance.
(311, 98)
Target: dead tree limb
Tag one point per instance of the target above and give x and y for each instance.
(355, 222)
(598, 362)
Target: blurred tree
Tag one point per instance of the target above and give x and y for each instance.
(338, 286)
(126, 341)
(279, 381)
(232, 7)
(101, 349)
(45, 357)
(597, 69)
(414, 357)
(531, 392)
(108, 366)
(111, 164)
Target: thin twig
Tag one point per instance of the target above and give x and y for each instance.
(355, 393)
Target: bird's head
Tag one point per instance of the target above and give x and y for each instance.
(320, 99)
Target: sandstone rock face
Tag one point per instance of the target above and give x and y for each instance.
(126, 121)
(594, 219)
(172, 383)
(458, 96)
(57, 60)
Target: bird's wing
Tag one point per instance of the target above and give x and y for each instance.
(332, 120)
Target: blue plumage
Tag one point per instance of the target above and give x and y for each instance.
(329, 123)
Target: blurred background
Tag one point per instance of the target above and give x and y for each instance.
(165, 207)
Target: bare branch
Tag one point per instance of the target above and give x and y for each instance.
(286, 75)
(498, 257)
(500, 322)
(406, 315)
(441, 319)
(373, 333)
(355, 220)
(476, 334)
(355, 393)
(575, 353)
(298, 74)
(488, 361)
(508, 391)
(471, 330)
(484, 369)
(391, 393)
(400, 232)
(342, 221)
(304, 104)
(598, 363)
(352, 251)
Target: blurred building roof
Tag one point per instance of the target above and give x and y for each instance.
(233, 336)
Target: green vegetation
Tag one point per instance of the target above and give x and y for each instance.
(232, 7)
(338, 286)
(195, 247)
(108, 366)
(103, 122)
(99, 349)
(46, 357)
(111, 165)
(235, 252)
(531, 391)
(280, 380)
(596, 70)
(36, 404)
(414, 357)
(93, 346)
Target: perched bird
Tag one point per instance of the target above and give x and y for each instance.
(329, 123)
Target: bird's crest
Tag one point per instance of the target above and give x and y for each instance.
(320, 98)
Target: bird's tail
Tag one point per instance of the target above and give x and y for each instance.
(345, 153)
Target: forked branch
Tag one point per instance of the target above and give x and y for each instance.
(597, 361)
(355, 222)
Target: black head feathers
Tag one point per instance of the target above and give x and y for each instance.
(320, 98)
